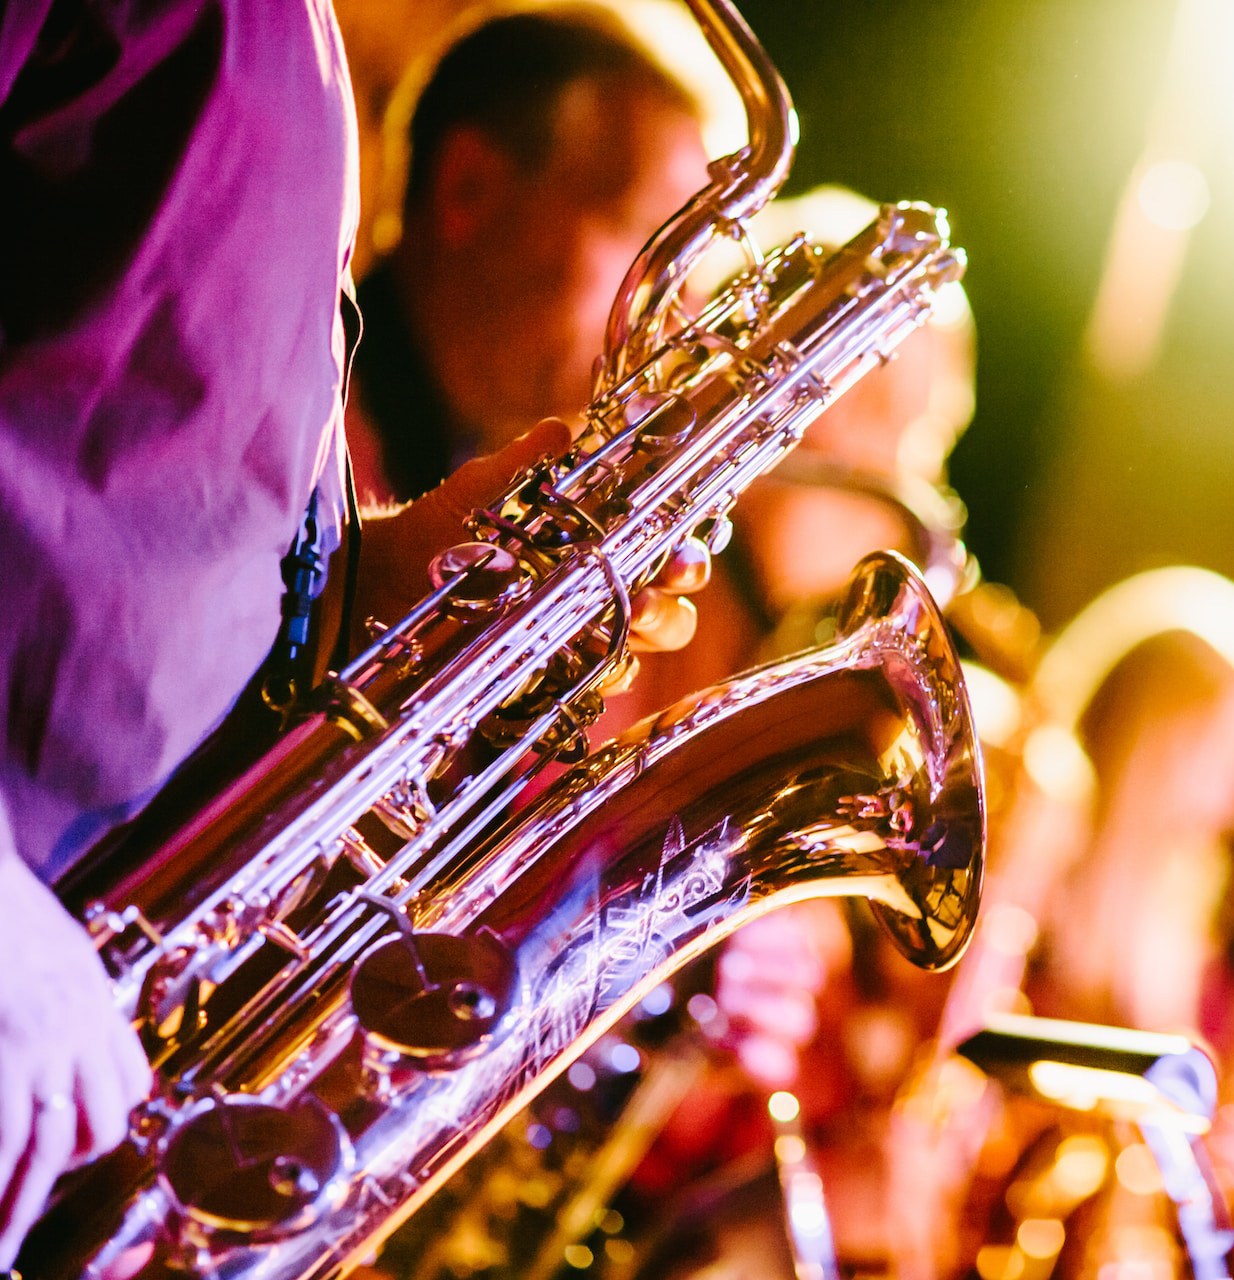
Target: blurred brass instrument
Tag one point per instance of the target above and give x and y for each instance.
(1057, 1182)
(1163, 1084)
(357, 963)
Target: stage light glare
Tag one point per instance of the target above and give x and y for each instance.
(1173, 195)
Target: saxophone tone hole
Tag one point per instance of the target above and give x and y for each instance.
(433, 1000)
(237, 1165)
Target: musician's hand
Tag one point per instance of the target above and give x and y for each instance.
(398, 548)
(71, 1068)
(661, 616)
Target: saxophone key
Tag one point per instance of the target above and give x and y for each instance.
(431, 1002)
(237, 1168)
(482, 578)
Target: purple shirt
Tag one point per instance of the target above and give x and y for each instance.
(177, 205)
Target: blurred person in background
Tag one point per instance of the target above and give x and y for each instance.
(545, 149)
(1155, 874)
(1114, 873)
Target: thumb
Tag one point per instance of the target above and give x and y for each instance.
(480, 480)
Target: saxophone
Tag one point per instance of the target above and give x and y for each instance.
(356, 963)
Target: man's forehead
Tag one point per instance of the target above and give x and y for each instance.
(612, 134)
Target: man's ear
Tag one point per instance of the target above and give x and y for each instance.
(471, 186)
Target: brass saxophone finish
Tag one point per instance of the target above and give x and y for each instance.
(740, 185)
(353, 966)
(318, 1118)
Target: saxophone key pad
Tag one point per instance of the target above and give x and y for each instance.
(481, 577)
(432, 1001)
(238, 1167)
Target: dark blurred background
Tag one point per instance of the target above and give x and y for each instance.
(1102, 442)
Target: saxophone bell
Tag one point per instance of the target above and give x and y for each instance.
(943, 881)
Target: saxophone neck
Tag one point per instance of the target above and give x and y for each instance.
(740, 185)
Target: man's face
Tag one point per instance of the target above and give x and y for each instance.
(623, 164)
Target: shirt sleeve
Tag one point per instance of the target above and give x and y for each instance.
(20, 24)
